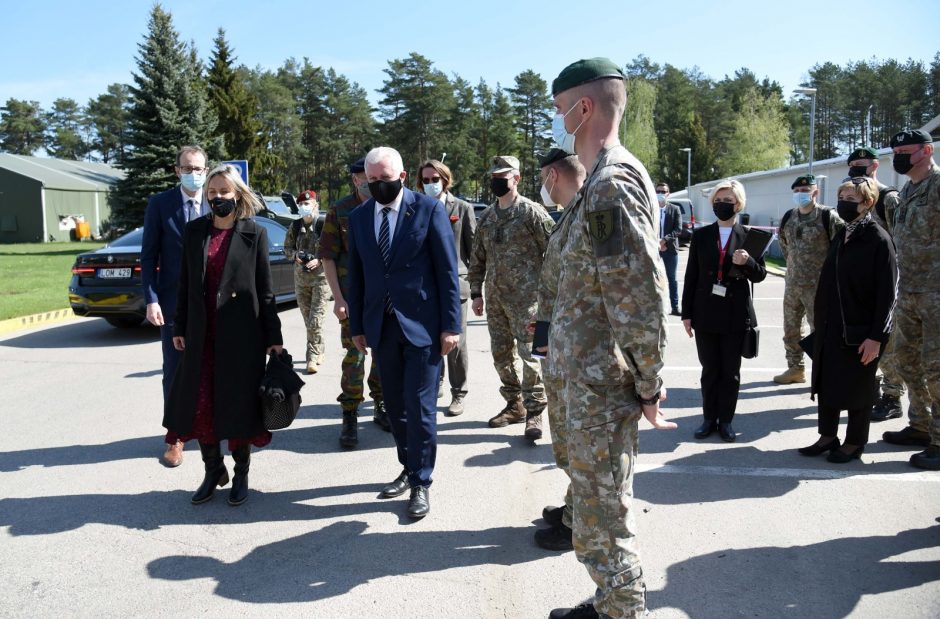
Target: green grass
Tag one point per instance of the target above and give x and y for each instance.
(34, 277)
(777, 262)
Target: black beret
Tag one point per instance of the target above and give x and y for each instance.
(806, 180)
(862, 153)
(358, 166)
(555, 154)
(906, 137)
(584, 71)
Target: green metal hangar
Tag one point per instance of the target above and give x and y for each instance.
(45, 199)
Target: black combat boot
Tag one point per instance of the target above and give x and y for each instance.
(349, 436)
(239, 492)
(380, 416)
(888, 407)
(216, 473)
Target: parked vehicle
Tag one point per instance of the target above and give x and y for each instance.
(106, 282)
(688, 220)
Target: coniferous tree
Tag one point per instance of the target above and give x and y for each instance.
(106, 118)
(281, 133)
(532, 108)
(64, 124)
(169, 109)
(236, 107)
(21, 127)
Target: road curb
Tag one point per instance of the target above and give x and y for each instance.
(25, 322)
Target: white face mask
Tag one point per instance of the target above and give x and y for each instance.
(305, 211)
(434, 189)
(563, 139)
(547, 195)
(661, 197)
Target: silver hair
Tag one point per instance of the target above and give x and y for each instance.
(385, 153)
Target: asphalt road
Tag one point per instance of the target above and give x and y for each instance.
(92, 525)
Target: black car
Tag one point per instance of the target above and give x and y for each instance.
(106, 282)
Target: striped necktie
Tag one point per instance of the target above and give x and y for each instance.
(385, 246)
(191, 212)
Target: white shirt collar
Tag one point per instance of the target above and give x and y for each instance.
(395, 205)
(197, 199)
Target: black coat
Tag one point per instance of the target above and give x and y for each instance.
(711, 313)
(246, 324)
(868, 277)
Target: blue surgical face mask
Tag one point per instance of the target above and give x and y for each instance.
(433, 189)
(192, 181)
(563, 139)
(802, 198)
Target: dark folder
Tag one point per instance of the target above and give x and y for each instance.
(756, 244)
(540, 338)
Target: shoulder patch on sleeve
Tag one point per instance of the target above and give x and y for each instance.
(606, 230)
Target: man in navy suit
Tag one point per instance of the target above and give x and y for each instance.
(670, 226)
(404, 303)
(161, 255)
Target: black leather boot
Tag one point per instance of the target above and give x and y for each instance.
(239, 491)
(216, 473)
(349, 435)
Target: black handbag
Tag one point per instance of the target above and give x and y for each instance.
(751, 345)
(807, 344)
(279, 392)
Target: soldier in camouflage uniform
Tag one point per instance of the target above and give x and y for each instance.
(334, 252)
(607, 335)
(916, 227)
(864, 162)
(562, 177)
(507, 253)
(805, 233)
(313, 292)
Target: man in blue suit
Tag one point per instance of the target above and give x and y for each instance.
(404, 303)
(161, 254)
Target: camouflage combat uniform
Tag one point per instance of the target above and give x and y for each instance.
(891, 382)
(507, 252)
(804, 241)
(334, 245)
(915, 223)
(313, 291)
(607, 339)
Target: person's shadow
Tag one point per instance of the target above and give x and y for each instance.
(334, 560)
(826, 579)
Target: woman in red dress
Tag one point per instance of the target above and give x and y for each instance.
(226, 322)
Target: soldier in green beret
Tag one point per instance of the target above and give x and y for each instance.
(607, 335)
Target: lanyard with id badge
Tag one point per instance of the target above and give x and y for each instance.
(719, 289)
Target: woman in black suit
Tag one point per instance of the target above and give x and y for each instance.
(226, 321)
(717, 308)
(853, 313)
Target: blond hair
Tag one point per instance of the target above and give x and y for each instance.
(736, 188)
(443, 171)
(246, 202)
(863, 187)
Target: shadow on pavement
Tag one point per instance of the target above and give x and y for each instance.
(334, 560)
(826, 579)
(87, 333)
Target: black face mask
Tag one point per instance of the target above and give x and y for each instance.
(858, 170)
(499, 186)
(848, 211)
(723, 210)
(385, 192)
(902, 163)
(222, 207)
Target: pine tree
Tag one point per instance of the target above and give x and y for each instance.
(281, 133)
(236, 107)
(533, 112)
(21, 127)
(169, 109)
(106, 118)
(64, 124)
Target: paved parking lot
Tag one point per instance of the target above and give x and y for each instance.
(91, 524)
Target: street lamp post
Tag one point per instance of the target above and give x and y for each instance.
(810, 92)
(688, 180)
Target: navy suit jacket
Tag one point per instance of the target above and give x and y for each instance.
(421, 278)
(161, 251)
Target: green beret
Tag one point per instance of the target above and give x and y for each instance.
(906, 137)
(503, 163)
(806, 180)
(584, 71)
(863, 153)
(555, 154)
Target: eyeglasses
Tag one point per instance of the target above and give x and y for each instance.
(732, 203)
(858, 180)
(428, 181)
(188, 169)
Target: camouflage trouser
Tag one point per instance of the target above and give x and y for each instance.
(509, 338)
(313, 296)
(918, 357)
(797, 302)
(891, 382)
(558, 425)
(602, 446)
(353, 373)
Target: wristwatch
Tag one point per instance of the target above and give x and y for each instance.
(649, 401)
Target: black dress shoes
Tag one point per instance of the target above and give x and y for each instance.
(816, 449)
(929, 459)
(705, 430)
(419, 505)
(397, 487)
(726, 432)
(553, 515)
(556, 537)
(581, 611)
(840, 457)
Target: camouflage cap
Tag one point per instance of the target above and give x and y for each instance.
(555, 154)
(907, 136)
(357, 166)
(862, 153)
(584, 71)
(503, 163)
(304, 196)
(805, 180)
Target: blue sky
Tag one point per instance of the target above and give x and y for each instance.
(75, 49)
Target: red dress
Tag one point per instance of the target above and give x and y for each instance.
(203, 423)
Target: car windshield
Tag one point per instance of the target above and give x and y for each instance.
(131, 239)
(277, 205)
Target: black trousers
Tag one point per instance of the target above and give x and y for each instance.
(856, 433)
(720, 356)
